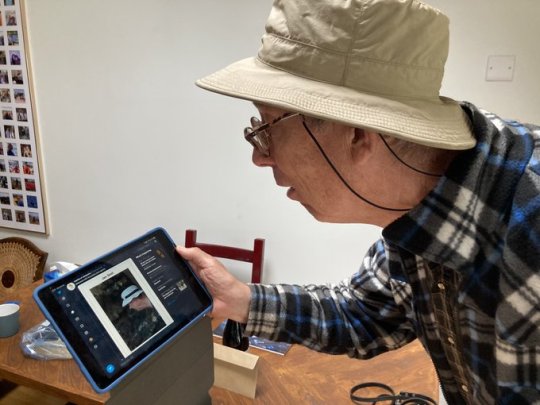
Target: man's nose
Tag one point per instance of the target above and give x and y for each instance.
(261, 160)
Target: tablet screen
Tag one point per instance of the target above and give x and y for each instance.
(117, 310)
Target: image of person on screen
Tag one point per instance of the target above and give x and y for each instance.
(143, 321)
(135, 298)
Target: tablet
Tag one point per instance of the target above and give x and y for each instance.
(115, 312)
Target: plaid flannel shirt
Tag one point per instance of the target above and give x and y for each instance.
(460, 271)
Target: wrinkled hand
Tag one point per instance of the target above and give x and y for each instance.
(231, 296)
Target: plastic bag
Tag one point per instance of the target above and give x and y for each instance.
(43, 343)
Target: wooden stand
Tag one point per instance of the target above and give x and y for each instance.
(181, 373)
(235, 370)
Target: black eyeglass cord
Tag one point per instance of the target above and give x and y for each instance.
(343, 180)
(402, 398)
(405, 163)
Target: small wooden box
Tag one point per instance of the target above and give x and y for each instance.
(235, 370)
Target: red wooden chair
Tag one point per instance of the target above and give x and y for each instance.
(255, 256)
(233, 332)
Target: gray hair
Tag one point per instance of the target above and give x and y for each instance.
(414, 153)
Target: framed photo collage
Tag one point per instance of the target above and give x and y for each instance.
(21, 195)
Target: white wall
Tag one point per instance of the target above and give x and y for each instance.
(130, 143)
(481, 28)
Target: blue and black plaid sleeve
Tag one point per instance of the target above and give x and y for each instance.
(362, 316)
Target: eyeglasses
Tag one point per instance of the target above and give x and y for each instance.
(258, 134)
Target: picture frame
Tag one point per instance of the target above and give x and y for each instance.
(22, 196)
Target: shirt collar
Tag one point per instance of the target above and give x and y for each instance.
(472, 199)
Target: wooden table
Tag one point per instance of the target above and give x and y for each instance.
(301, 376)
(61, 378)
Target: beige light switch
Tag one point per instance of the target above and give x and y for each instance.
(500, 67)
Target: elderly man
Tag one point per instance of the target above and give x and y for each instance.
(353, 124)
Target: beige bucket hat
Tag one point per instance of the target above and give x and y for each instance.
(375, 64)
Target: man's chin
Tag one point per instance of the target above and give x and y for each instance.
(314, 213)
(320, 217)
(292, 194)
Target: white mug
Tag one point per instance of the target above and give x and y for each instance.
(9, 319)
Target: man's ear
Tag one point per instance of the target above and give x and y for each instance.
(361, 144)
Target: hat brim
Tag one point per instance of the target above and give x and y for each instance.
(128, 300)
(440, 123)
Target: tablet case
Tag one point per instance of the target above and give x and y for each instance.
(180, 373)
(134, 370)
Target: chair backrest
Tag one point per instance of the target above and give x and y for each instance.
(21, 263)
(255, 256)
